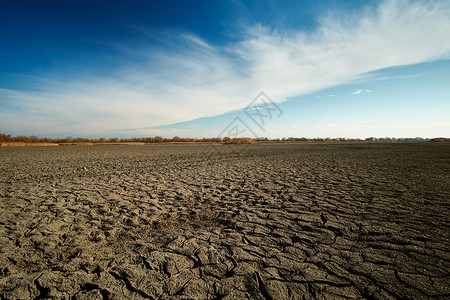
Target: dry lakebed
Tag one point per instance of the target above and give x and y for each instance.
(267, 221)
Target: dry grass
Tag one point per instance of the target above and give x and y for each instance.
(9, 144)
(240, 141)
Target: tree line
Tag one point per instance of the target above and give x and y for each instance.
(176, 139)
(69, 139)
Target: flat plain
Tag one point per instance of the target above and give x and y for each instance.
(276, 221)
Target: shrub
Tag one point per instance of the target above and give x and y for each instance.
(240, 141)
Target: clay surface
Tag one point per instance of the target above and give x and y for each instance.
(279, 221)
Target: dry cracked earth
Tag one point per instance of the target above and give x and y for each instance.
(279, 221)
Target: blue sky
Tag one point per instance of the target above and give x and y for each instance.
(145, 68)
(383, 103)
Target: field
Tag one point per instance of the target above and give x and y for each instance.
(277, 221)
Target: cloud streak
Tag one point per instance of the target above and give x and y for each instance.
(199, 79)
(361, 92)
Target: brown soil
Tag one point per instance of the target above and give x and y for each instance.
(278, 221)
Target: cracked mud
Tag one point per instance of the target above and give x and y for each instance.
(286, 221)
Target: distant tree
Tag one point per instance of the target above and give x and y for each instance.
(440, 139)
(148, 140)
(21, 138)
(35, 139)
(5, 138)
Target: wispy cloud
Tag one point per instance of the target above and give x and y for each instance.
(199, 79)
(327, 96)
(268, 107)
(360, 92)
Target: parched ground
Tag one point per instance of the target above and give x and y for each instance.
(279, 221)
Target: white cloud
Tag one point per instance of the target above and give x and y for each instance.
(364, 130)
(360, 92)
(201, 79)
(327, 96)
(267, 107)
